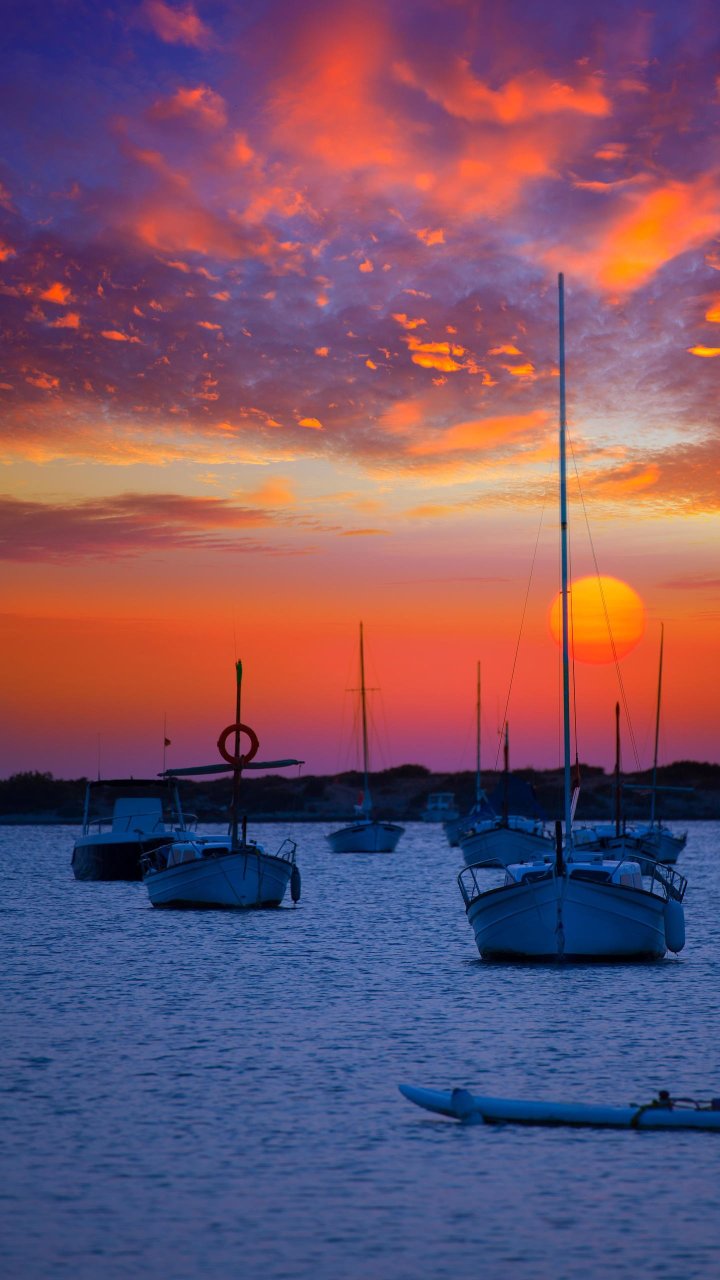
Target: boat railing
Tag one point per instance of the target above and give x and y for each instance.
(658, 878)
(287, 850)
(664, 880)
(471, 887)
(157, 859)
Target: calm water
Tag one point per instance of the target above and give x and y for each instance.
(214, 1095)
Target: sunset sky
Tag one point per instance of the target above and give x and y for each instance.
(278, 286)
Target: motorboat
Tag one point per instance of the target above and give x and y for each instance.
(124, 818)
(223, 871)
(507, 836)
(440, 807)
(366, 834)
(576, 904)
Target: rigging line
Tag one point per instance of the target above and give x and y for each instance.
(522, 622)
(605, 611)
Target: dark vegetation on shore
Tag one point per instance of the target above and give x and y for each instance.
(399, 793)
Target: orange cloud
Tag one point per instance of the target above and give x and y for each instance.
(406, 322)
(176, 25)
(429, 237)
(366, 265)
(327, 106)
(313, 423)
(632, 478)
(45, 381)
(650, 228)
(483, 434)
(58, 293)
(69, 321)
(273, 493)
(454, 87)
(507, 350)
(200, 106)
(713, 313)
(116, 335)
(207, 324)
(708, 352)
(322, 351)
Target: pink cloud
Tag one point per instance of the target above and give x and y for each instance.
(176, 24)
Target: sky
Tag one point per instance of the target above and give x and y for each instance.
(278, 296)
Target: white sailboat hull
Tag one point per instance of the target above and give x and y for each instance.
(560, 916)
(219, 877)
(505, 845)
(365, 837)
(658, 843)
(662, 844)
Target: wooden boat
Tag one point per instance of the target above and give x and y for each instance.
(366, 834)
(662, 1112)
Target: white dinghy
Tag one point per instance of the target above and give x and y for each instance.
(574, 905)
(223, 871)
(664, 1112)
(367, 834)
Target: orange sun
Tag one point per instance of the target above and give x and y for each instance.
(589, 635)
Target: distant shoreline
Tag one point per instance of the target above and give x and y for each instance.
(687, 791)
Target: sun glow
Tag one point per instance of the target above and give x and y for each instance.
(605, 614)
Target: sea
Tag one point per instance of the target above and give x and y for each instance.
(211, 1095)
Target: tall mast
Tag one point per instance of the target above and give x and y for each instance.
(506, 775)
(478, 780)
(657, 728)
(564, 567)
(366, 783)
(618, 806)
(236, 772)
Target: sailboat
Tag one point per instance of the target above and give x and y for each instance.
(230, 870)
(505, 837)
(366, 834)
(658, 840)
(575, 905)
(454, 828)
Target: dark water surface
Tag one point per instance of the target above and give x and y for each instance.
(205, 1095)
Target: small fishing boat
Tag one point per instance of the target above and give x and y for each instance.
(577, 904)
(223, 871)
(663, 1112)
(366, 834)
(505, 837)
(124, 818)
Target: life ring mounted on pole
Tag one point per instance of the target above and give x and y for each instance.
(239, 761)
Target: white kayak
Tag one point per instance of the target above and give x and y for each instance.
(663, 1112)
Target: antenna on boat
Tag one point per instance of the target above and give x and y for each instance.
(564, 566)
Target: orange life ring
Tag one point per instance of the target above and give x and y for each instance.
(238, 762)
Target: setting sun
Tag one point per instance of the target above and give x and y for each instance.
(603, 611)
